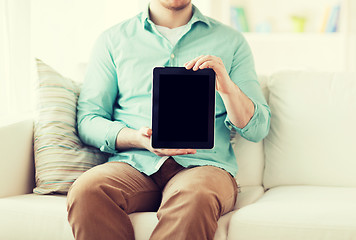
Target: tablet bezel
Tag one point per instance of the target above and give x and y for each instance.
(155, 143)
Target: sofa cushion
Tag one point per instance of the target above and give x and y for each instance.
(298, 212)
(34, 217)
(60, 157)
(43, 217)
(248, 195)
(311, 140)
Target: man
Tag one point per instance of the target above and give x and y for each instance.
(192, 188)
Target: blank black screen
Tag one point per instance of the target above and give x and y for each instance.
(183, 108)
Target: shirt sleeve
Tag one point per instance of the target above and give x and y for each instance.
(97, 98)
(243, 74)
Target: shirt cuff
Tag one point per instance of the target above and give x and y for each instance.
(110, 139)
(245, 129)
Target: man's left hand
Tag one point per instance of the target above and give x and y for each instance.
(238, 106)
(223, 81)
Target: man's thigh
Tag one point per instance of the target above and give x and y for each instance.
(129, 188)
(206, 180)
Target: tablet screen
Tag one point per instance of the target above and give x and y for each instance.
(183, 104)
(183, 108)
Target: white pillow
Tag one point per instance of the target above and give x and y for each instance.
(312, 140)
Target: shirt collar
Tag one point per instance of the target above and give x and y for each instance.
(197, 17)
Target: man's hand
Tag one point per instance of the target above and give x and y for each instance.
(239, 107)
(223, 81)
(144, 137)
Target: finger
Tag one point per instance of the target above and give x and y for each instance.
(174, 152)
(191, 63)
(217, 66)
(191, 151)
(207, 64)
(184, 151)
(145, 131)
(171, 152)
(201, 61)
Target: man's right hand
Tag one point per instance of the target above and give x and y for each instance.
(145, 134)
(141, 139)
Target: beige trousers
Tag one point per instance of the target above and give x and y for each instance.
(188, 201)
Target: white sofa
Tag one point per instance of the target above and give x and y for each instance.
(299, 183)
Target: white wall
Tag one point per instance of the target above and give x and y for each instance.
(352, 30)
(15, 70)
(64, 31)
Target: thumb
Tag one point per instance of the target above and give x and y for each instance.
(146, 131)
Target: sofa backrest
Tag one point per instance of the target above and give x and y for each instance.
(312, 139)
(249, 155)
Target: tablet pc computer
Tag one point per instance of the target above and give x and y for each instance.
(183, 108)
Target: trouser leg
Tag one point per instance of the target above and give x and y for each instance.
(192, 202)
(100, 200)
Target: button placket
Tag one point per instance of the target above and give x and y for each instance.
(172, 58)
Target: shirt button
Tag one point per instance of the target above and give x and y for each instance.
(172, 56)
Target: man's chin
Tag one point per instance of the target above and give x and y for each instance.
(175, 7)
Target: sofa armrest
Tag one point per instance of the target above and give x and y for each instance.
(16, 158)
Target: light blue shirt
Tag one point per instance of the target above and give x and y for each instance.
(117, 89)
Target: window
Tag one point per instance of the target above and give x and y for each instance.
(15, 64)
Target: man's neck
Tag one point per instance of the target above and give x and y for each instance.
(170, 18)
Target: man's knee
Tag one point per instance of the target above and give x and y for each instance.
(195, 201)
(206, 189)
(85, 188)
(202, 199)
